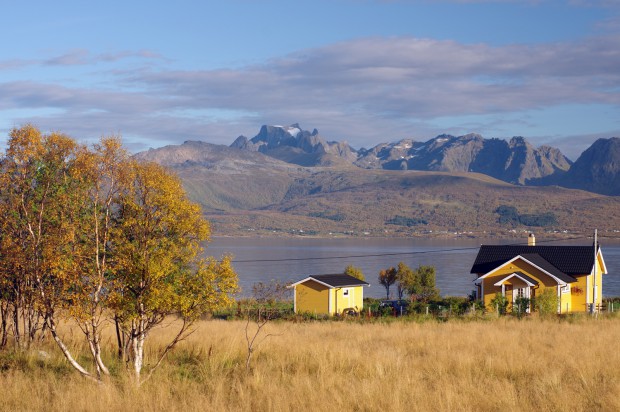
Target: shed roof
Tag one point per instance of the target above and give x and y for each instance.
(335, 281)
(557, 260)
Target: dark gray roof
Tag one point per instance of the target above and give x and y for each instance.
(339, 280)
(561, 261)
(538, 260)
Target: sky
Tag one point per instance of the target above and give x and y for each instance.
(361, 71)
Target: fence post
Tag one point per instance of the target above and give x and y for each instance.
(427, 311)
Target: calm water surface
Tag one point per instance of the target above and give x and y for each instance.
(452, 258)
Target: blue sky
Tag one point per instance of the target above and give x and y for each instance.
(363, 71)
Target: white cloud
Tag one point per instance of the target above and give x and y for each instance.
(364, 90)
(405, 77)
(80, 57)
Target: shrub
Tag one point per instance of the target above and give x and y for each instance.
(499, 304)
(456, 305)
(520, 306)
(546, 302)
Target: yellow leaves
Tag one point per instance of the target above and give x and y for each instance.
(162, 232)
(209, 288)
(93, 232)
(99, 230)
(24, 143)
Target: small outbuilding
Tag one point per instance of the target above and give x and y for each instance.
(329, 294)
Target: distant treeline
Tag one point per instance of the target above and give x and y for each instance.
(405, 221)
(509, 215)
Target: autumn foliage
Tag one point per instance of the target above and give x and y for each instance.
(90, 234)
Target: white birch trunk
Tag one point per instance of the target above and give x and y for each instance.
(68, 356)
(138, 338)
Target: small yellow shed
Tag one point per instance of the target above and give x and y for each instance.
(329, 294)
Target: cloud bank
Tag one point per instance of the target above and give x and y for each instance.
(364, 91)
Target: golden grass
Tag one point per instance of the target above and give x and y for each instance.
(488, 365)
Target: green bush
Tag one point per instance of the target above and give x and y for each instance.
(520, 306)
(499, 304)
(456, 305)
(546, 302)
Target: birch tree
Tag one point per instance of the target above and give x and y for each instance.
(99, 174)
(19, 203)
(354, 271)
(38, 248)
(421, 286)
(387, 277)
(35, 199)
(88, 233)
(160, 271)
(405, 277)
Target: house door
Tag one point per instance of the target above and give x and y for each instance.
(346, 295)
(521, 293)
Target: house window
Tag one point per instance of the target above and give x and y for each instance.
(345, 292)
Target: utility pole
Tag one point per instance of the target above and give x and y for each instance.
(594, 289)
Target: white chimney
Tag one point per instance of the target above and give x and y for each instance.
(531, 240)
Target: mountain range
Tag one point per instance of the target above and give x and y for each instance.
(286, 179)
(514, 161)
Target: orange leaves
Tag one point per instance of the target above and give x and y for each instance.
(24, 144)
(162, 232)
(94, 232)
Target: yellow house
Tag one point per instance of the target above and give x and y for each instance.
(572, 272)
(328, 294)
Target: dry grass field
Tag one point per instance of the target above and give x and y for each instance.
(479, 365)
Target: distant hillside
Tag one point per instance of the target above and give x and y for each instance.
(222, 179)
(245, 191)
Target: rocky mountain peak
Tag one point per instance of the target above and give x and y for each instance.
(516, 141)
(515, 160)
(295, 145)
(597, 169)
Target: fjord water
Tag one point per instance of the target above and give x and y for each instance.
(292, 259)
